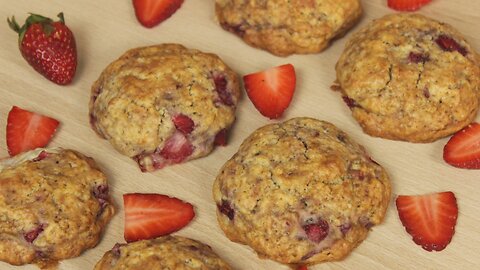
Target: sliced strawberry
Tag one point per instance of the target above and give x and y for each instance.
(463, 148)
(152, 215)
(28, 130)
(177, 148)
(152, 12)
(430, 219)
(271, 90)
(183, 123)
(407, 5)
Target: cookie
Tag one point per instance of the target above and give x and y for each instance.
(168, 252)
(164, 104)
(411, 78)
(300, 192)
(54, 204)
(285, 27)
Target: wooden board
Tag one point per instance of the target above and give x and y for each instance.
(105, 29)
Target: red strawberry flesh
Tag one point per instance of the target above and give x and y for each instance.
(152, 12)
(221, 138)
(183, 123)
(429, 219)
(28, 130)
(177, 148)
(316, 232)
(149, 216)
(450, 45)
(407, 5)
(271, 90)
(33, 234)
(463, 148)
(221, 88)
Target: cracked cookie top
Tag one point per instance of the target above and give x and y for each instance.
(54, 204)
(300, 192)
(164, 104)
(408, 77)
(168, 252)
(286, 27)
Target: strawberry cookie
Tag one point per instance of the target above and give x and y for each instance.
(408, 77)
(288, 27)
(54, 204)
(168, 252)
(300, 192)
(164, 104)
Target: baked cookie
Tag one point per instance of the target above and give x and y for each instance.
(285, 27)
(300, 192)
(168, 252)
(54, 204)
(407, 77)
(164, 104)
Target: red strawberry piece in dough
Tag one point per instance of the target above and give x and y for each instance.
(316, 232)
(28, 130)
(149, 216)
(429, 219)
(271, 91)
(177, 148)
(221, 88)
(48, 46)
(33, 234)
(302, 267)
(221, 138)
(152, 12)
(183, 123)
(463, 148)
(407, 5)
(450, 45)
(418, 57)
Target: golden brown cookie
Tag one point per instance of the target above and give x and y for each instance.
(407, 77)
(54, 204)
(285, 27)
(164, 104)
(168, 252)
(300, 192)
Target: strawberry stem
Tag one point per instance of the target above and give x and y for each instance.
(33, 19)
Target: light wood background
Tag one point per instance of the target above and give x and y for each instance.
(105, 29)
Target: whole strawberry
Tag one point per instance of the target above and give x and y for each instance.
(48, 46)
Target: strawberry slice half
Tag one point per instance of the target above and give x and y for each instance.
(430, 219)
(28, 130)
(463, 148)
(152, 12)
(271, 90)
(183, 123)
(152, 215)
(407, 5)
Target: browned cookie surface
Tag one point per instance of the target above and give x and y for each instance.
(54, 204)
(408, 77)
(285, 27)
(164, 104)
(300, 192)
(168, 252)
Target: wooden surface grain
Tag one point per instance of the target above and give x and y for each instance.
(105, 29)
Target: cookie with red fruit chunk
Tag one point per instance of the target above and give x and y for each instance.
(164, 104)
(168, 252)
(54, 204)
(48, 46)
(152, 12)
(28, 130)
(407, 5)
(411, 78)
(463, 148)
(300, 192)
(288, 27)
(151, 215)
(430, 219)
(271, 90)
